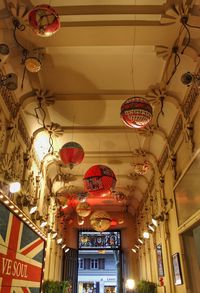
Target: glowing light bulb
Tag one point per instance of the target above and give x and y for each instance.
(130, 284)
(146, 235)
(15, 187)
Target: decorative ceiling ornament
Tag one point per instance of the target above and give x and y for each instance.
(162, 51)
(19, 11)
(6, 163)
(71, 154)
(174, 12)
(100, 221)
(44, 20)
(83, 209)
(45, 96)
(119, 196)
(141, 164)
(157, 93)
(55, 129)
(12, 128)
(136, 112)
(99, 180)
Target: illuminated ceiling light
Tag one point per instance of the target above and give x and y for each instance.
(11, 206)
(59, 241)
(43, 223)
(134, 250)
(130, 284)
(32, 208)
(15, 187)
(6, 201)
(20, 215)
(33, 64)
(54, 235)
(66, 250)
(137, 246)
(151, 228)
(24, 218)
(1, 196)
(140, 240)
(16, 211)
(63, 246)
(146, 235)
(154, 222)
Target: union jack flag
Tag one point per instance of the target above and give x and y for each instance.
(21, 255)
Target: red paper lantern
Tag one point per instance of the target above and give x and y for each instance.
(71, 154)
(44, 20)
(99, 180)
(136, 112)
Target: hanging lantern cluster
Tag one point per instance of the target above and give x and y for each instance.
(99, 180)
(100, 221)
(71, 154)
(136, 112)
(141, 168)
(83, 209)
(44, 20)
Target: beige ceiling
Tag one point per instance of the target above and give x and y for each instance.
(104, 53)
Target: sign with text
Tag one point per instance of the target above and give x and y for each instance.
(21, 255)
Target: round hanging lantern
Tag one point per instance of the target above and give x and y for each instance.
(99, 180)
(83, 209)
(71, 154)
(136, 112)
(44, 20)
(100, 221)
(141, 168)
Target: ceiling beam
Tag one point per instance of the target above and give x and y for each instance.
(109, 9)
(103, 23)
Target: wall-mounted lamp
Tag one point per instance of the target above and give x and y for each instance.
(134, 250)
(43, 223)
(130, 284)
(146, 235)
(15, 187)
(32, 208)
(66, 250)
(10, 81)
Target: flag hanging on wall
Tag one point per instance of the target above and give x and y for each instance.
(21, 255)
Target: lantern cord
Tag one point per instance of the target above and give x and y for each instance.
(41, 121)
(132, 54)
(189, 37)
(177, 61)
(73, 127)
(51, 149)
(161, 110)
(129, 145)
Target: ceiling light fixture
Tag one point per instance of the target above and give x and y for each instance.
(66, 250)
